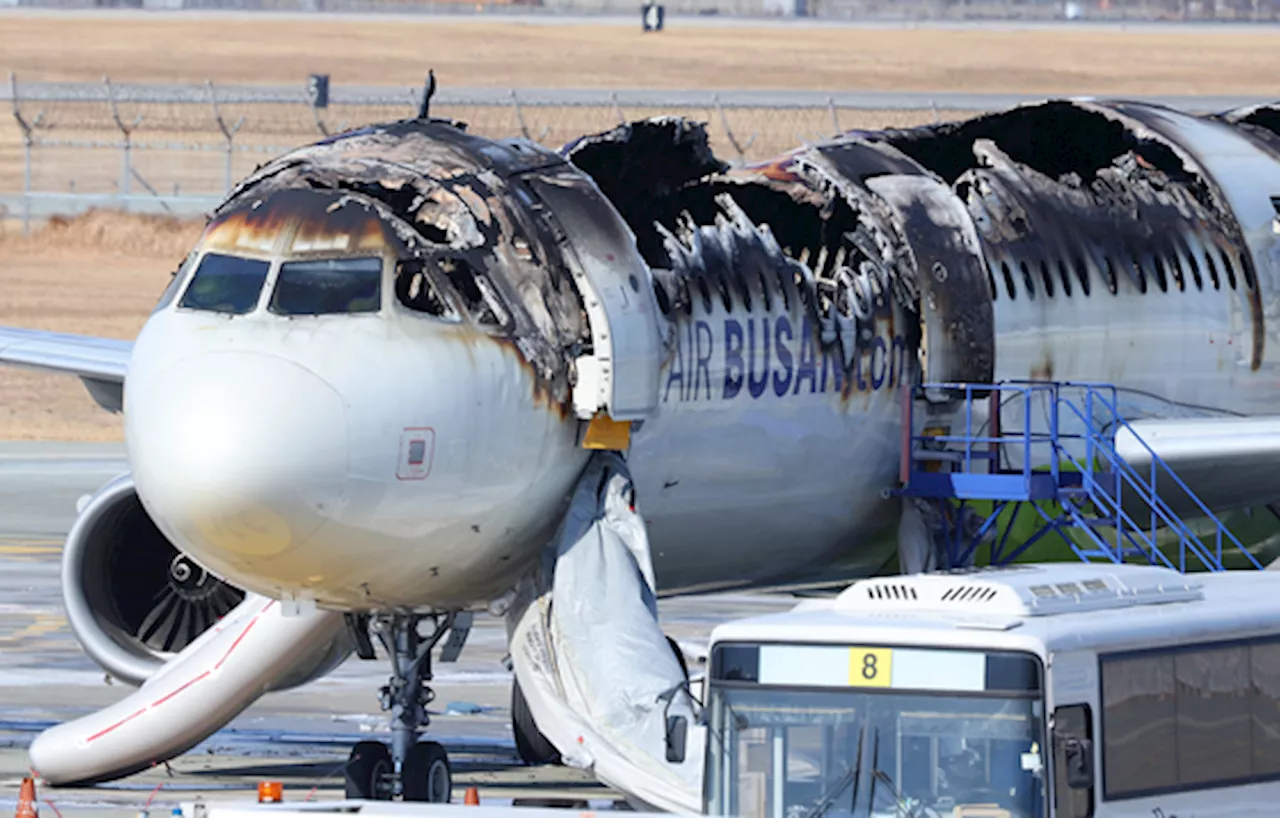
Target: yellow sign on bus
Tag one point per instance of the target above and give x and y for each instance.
(870, 667)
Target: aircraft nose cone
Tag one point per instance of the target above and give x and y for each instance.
(242, 456)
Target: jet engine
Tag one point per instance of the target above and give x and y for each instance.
(133, 600)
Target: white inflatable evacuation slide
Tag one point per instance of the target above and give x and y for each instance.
(191, 697)
(594, 666)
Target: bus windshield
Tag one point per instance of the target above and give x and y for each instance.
(795, 753)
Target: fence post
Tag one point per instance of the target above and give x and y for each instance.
(26, 154)
(835, 117)
(617, 109)
(126, 131)
(728, 131)
(228, 134)
(515, 104)
(315, 116)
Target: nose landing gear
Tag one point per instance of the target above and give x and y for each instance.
(408, 770)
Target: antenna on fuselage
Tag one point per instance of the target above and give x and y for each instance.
(427, 93)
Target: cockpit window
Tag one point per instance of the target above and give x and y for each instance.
(327, 286)
(226, 284)
(175, 283)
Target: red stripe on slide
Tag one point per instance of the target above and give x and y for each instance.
(201, 677)
(243, 634)
(164, 699)
(120, 723)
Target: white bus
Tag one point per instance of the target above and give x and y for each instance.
(1065, 690)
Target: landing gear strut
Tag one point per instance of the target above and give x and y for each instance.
(409, 770)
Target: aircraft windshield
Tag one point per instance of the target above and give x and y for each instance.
(789, 753)
(227, 284)
(323, 287)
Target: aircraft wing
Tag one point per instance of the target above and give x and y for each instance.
(101, 363)
(1227, 462)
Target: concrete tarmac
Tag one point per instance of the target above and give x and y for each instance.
(300, 737)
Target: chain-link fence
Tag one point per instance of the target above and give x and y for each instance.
(177, 149)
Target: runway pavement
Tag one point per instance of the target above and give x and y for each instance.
(300, 737)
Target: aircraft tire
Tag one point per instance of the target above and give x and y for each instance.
(531, 745)
(367, 770)
(427, 775)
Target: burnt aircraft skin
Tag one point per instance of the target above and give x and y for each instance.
(794, 302)
(799, 293)
(412, 448)
(1122, 217)
(1148, 224)
(480, 331)
(1073, 201)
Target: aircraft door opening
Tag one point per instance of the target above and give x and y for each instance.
(619, 376)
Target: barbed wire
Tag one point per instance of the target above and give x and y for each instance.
(178, 147)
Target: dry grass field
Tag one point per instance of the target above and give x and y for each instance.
(101, 274)
(98, 274)
(506, 54)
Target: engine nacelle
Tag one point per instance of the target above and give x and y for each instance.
(133, 600)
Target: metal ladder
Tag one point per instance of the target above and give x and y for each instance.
(1064, 468)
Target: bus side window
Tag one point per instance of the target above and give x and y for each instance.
(1073, 762)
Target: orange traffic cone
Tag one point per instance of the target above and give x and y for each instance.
(27, 800)
(472, 798)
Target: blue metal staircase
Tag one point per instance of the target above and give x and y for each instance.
(1064, 468)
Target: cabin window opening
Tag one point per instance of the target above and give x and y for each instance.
(1162, 279)
(1139, 277)
(1047, 277)
(1082, 273)
(1213, 270)
(1229, 268)
(1008, 281)
(744, 291)
(766, 294)
(722, 286)
(330, 286)
(705, 291)
(991, 281)
(1195, 270)
(1065, 277)
(226, 284)
(1027, 280)
(684, 295)
(1247, 269)
(477, 292)
(416, 291)
(1175, 267)
(660, 295)
(785, 291)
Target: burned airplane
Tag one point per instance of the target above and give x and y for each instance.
(407, 367)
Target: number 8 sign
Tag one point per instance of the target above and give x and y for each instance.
(870, 667)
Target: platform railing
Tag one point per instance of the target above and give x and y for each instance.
(1099, 476)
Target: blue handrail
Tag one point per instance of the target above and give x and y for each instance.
(1104, 474)
(1159, 507)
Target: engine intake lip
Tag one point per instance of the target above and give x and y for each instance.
(112, 605)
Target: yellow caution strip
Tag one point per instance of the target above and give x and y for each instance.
(603, 432)
(30, 548)
(44, 625)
